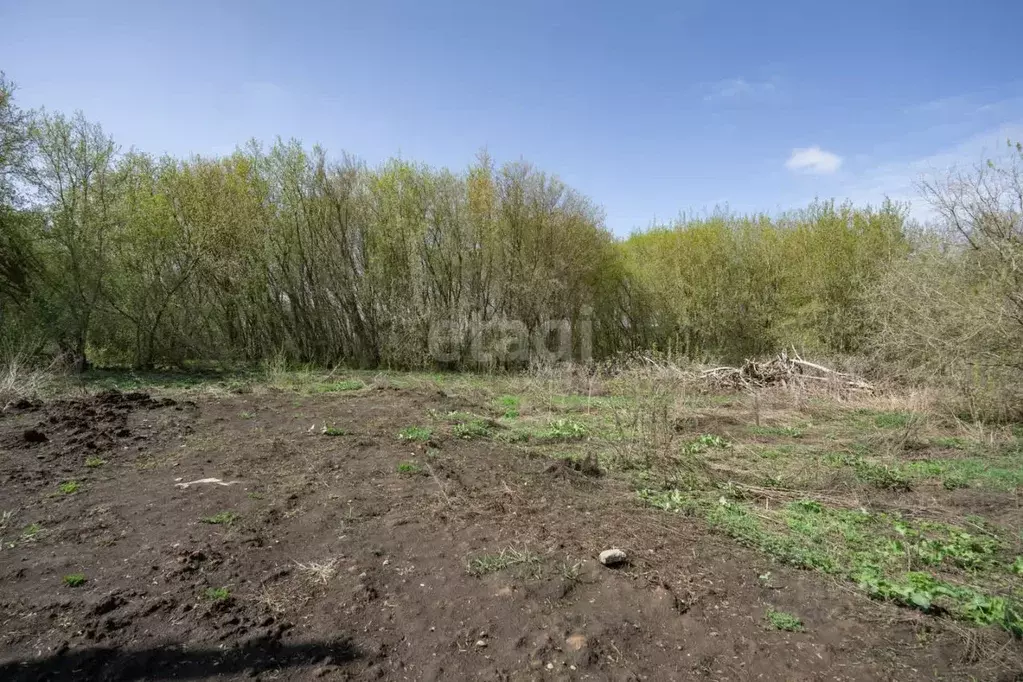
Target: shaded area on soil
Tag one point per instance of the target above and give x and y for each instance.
(175, 663)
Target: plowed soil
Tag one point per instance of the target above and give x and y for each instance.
(328, 562)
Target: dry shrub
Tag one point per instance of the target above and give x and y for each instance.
(21, 380)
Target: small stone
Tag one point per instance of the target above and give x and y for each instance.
(613, 557)
(550, 666)
(481, 643)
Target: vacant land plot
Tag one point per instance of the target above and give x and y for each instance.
(448, 527)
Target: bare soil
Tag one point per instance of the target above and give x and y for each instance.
(339, 566)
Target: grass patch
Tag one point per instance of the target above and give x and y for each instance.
(934, 567)
(779, 620)
(892, 420)
(218, 593)
(511, 405)
(75, 580)
(94, 462)
(474, 428)
(1000, 473)
(408, 468)
(565, 429)
(703, 443)
(31, 533)
(485, 564)
(224, 518)
(417, 434)
(333, 431)
(70, 487)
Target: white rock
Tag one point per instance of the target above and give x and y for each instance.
(613, 557)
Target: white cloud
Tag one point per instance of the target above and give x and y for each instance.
(735, 88)
(899, 180)
(813, 160)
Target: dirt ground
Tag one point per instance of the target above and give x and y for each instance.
(329, 562)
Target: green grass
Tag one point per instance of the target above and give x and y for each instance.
(934, 567)
(70, 487)
(511, 404)
(75, 580)
(246, 415)
(779, 620)
(485, 564)
(1000, 472)
(565, 429)
(333, 431)
(218, 593)
(471, 429)
(418, 434)
(94, 462)
(703, 443)
(224, 518)
(31, 533)
(408, 468)
(892, 420)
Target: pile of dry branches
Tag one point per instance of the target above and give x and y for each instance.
(782, 370)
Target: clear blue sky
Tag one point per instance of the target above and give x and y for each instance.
(650, 108)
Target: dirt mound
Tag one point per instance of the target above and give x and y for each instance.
(42, 442)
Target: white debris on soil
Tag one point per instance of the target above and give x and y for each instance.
(215, 481)
(613, 557)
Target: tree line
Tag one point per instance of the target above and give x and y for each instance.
(122, 258)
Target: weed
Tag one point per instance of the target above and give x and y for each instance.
(880, 475)
(218, 593)
(780, 620)
(514, 435)
(224, 518)
(70, 487)
(510, 404)
(255, 496)
(31, 533)
(570, 572)
(892, 420)
(94, 462)
(566, 429)
(670, 500)
(1002, 473)
(408, 468)
(74, 580)
(955, 482)
(246, 415)
(876, 551)
(475, 428)
(333, 431)
(419, 434)
(703, 443)
(485, 564)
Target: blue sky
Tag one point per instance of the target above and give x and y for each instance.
(649, 108)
